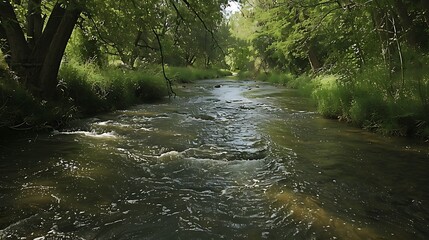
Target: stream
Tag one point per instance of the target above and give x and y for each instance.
(242, 160)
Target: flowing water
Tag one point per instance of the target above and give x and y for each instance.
(237, 162)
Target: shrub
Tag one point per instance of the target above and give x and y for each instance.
(303, 83)
(275, 77)
(332, 98)
(245, 75)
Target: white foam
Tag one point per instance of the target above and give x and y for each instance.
(92, 134)
(172, 155)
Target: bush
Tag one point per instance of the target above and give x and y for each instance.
(332, 98)
(245, 75)
(303, 83)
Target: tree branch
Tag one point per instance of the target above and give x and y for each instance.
(34, 21)
(43, 44)
(100, 35)
(177, 10)
(168, 81)
(310, 5)
(204, 24)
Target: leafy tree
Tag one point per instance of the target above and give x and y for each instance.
(34, 50)
(34, 33)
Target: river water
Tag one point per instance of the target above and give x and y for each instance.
(243, 161)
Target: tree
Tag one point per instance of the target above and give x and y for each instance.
(36, 56)
(35, 44)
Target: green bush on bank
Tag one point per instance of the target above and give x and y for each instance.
(93, 90)
(372, 99)
(333, 99)
(190, 74)
(271, 77)
(366, 103)
(245, 75)
(86, 89)
(275, 77)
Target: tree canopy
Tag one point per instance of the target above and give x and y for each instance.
(34, 34)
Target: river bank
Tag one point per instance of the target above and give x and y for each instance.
(85, 90)
(364, 102)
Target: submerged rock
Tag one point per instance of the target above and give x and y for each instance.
(204, 117)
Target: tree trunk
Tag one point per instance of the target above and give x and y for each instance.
(37, 62)
(34, 22)
(4, 45)
(134, 54)
(51, 65)
(15, 38)
(45, 40)
(314, 60)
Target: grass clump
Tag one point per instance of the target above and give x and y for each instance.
(92, 90)
(275, 77)
(190, 74)
(373, 102)
(247, 75)
(332, 98)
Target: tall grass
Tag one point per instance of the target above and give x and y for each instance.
(275, 77)
(190, 74)
(370, 102)
(86, 89)
(95, 90)
(372, 99)
(333, 99)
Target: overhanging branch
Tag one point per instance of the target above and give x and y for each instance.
(168, 81)
(204, 24)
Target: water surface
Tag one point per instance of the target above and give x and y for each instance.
(243, 161)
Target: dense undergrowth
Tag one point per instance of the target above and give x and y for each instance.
(84, 90)
(371, 99)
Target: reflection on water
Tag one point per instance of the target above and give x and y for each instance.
(237, 162)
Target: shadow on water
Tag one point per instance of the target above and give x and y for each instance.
(243, 161)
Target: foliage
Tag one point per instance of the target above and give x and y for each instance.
(20, 110)
(94, 90)
(99, 35)
(190, 74)
(366, 58)
(275, 77)
(186, 29)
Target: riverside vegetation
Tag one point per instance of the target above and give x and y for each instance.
(363, 62)
(66, 59)
(86, 89)
(363, 102)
